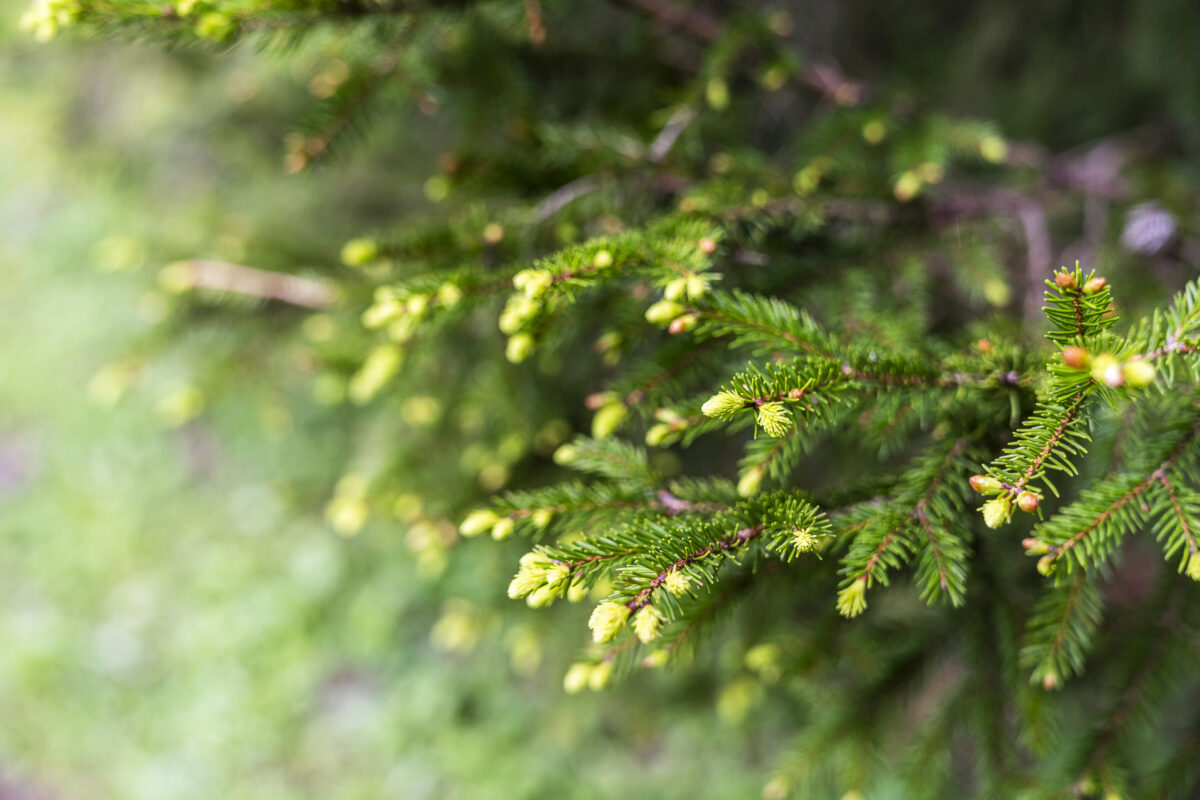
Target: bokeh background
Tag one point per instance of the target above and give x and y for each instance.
(178, 618)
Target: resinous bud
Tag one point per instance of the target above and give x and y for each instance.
(1035, 547)
(1065, 281)
(1076, 357)
(985, 483)
(682, 324)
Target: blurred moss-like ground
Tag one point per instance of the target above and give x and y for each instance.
(176, 618)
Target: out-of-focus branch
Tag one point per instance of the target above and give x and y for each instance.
(828, 79)
(224, 277)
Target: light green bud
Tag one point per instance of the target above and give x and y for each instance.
(380, 314)
(697, 285)
(750, 483)
(576, 679)
(906, 186)
(676, 289)
(503, 528)
(215, 27)
(525, 582)
(804, 541)
(600, 676)
(541, 597)
(606, 621)
(775, 419)
(993, 149)
(541, 518)
(565, 454)
(662, 312)
(723, 405)
(716, 92)
(608, 419)
(1106, 369)
(517, 311)
(676, 583)
(477, 522)
(357, 252)
(576, 592)
(519, 348)
(417, 304)
(647, 623)
(852, 600)
(557, 575)
(448, 295)
(1138, 373)
(997, 511)
(1193, 567)
(656, 659)
(534, 282)
(657, 433)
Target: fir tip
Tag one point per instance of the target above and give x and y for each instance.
(608, 419)
(723, 405)
(662, 312)
(519, 348)
(1193, 567)
(533, 282)
(576, 679)
(503, 528)
(852, 599)
(997, 511)
(750, 483)
(775, 419)
(607, 620)
(804, 541)
(647, 623)
(478, 521)
(676, 583)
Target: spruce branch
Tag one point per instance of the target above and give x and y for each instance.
(1091, 528)
(927, 500)
(1061, 630)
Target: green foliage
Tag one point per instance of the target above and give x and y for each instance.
(805, 295)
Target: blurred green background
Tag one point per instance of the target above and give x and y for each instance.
(177, 618)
